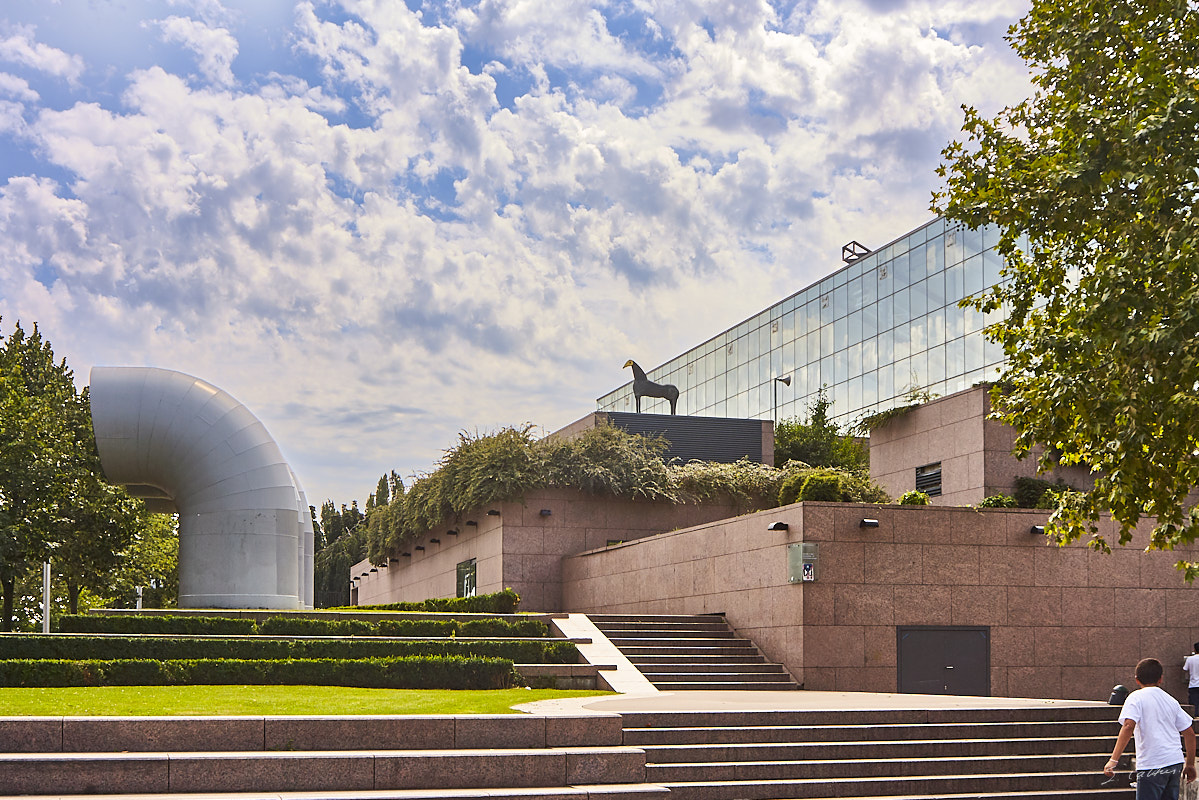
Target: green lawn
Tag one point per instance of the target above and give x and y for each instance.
(140, 701)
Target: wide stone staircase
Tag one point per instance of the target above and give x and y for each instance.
(903, 754)
(430, 757)
(691, 652)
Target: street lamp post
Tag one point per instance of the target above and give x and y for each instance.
(786, 381)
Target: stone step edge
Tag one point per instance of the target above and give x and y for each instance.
(851, 761)
(873, 743)
(643, 791)
(296, 733)
(794, 782)
(265, 755)
(859, 717)
(1018, 795)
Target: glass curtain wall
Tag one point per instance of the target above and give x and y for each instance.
(870, 334)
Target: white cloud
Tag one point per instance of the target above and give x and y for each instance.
(12, 86)
(215, 48)
(19, 47)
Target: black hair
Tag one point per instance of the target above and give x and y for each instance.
(1149, 671)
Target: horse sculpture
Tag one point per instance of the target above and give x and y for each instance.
(644, 387)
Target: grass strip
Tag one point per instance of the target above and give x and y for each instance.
(236, 700)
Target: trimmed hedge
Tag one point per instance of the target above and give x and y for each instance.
(171, 623)
(37, 646)
(307, 626)
(410, 672)
(505, 602)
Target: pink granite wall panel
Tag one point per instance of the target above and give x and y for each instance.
(1064, 622)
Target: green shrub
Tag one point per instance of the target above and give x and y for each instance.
(914, 498)
(409, 672)
(416, 627)
(170, 623)
(1029, 492)
(821, 486)
(107, 648)
(505, 602)
(789, 490)
(853, 486)
(303, 626)
(998, 501)
(483, 628)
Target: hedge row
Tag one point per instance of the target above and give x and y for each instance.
(301, 626)
(171, 623)
(34, 646)
(410, 672)
(491, 627)
(505, 602)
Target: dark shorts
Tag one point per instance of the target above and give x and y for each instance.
(1159, 784)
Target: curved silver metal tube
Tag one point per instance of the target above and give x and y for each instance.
(245, 532)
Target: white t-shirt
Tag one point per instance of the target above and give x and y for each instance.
(1191, 667)
(1160, 720)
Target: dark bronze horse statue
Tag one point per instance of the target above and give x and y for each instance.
(644, 387)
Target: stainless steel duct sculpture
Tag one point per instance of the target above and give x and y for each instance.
(245, 532)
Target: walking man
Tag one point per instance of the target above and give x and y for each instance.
(1155, 719)
(1191, 668)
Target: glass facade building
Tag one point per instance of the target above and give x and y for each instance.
(869, 333)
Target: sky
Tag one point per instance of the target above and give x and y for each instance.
(379, 224)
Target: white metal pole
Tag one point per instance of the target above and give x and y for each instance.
(46, 597)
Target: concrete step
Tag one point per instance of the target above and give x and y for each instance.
(931, 787)
(416, 732)
(599, 619)
(914, 748)
(725, 686)
(680, 641)
(644, 624)
(1115, 793)
(181, 772)
(651, 665)
(679, 631)
(869, 717)
(735, 734)
(631, 791)
(656, 677)
(670, 658)
(869, 767)
(644, 648)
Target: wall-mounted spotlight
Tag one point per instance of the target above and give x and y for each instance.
(392, 560)
(451, 532)
(778, 526)
(405, 554)
(434, 540)
(493, 512)
(363, 575)
(419, 547)
(383, 565)
(868, 523)
(545, 512)
(472, 523)
(374, 569)
(1037, 530)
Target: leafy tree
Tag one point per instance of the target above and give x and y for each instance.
(817, 442)
(54, 503)
(151, 561)
(92, 531)
(1098, 171)
(331, 523)
(35, 454)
